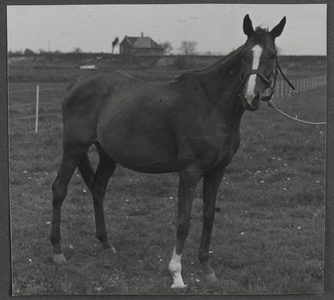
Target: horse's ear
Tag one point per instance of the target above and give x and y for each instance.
(248, 26)
(277, 30)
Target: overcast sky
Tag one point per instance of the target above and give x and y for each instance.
(215, 27)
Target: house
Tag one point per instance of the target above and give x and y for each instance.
(142, 45)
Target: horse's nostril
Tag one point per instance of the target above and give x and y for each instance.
(252, 101)
(251, 97)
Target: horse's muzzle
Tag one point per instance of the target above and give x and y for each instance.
(252, 104)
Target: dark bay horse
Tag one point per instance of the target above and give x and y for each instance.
(189, 125)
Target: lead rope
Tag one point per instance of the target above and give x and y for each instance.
(271, 104)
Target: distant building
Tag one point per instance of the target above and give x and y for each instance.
(142, 45)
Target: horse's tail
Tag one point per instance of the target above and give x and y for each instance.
(69, 87)
(67, 90)
(86, 169)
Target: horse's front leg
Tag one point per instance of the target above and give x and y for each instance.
(211, 182)
(187, 188)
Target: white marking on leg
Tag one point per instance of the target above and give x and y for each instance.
(250, 85)
(175, 269)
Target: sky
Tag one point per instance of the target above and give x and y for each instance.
(217, 28)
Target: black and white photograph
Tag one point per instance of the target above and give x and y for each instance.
(167, 149)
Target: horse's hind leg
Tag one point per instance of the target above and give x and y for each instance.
(69, 162)
(105, 170)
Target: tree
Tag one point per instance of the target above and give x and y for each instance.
(13, 53)
(167, 47)
(28, 52)
(188, 47)
(77, 50)
(42, 51)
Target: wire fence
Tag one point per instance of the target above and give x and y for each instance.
(53, 108)
(18, 110)
(301, 84)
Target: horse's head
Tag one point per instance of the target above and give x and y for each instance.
(258, 61)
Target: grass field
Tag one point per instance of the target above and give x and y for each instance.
(268, 237)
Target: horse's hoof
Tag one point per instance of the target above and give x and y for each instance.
(178, 286)
(179, 289)
(59, 259)
(211, 277)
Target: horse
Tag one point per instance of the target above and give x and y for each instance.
(188, 126)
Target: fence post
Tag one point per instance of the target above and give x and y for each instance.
(282, 89)
(308, 84)
(304, 84)
(37, 108)
(277, 89)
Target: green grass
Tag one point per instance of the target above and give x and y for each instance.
(268, 237)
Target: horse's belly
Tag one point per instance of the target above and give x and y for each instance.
(152, 166)
(142, 152)
(139, 160)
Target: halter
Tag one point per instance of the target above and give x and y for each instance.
(268, 81)
(268, 98)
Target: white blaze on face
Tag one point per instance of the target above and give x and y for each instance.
(250, 85)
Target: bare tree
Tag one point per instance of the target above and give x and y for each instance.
(188, 47)
(114, 43)
(167, 47)
(77, 50)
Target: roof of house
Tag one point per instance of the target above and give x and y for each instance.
(141, 42)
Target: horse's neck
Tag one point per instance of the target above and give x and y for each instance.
(222, 83)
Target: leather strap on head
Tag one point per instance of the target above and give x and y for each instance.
(277, 68)
(286, 79)
(257, 72)
(268, 98)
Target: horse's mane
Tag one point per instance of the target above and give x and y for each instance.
(261, 29)
(259, 33)
(223, 59)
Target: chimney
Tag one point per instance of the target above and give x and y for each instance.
(142, 34)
